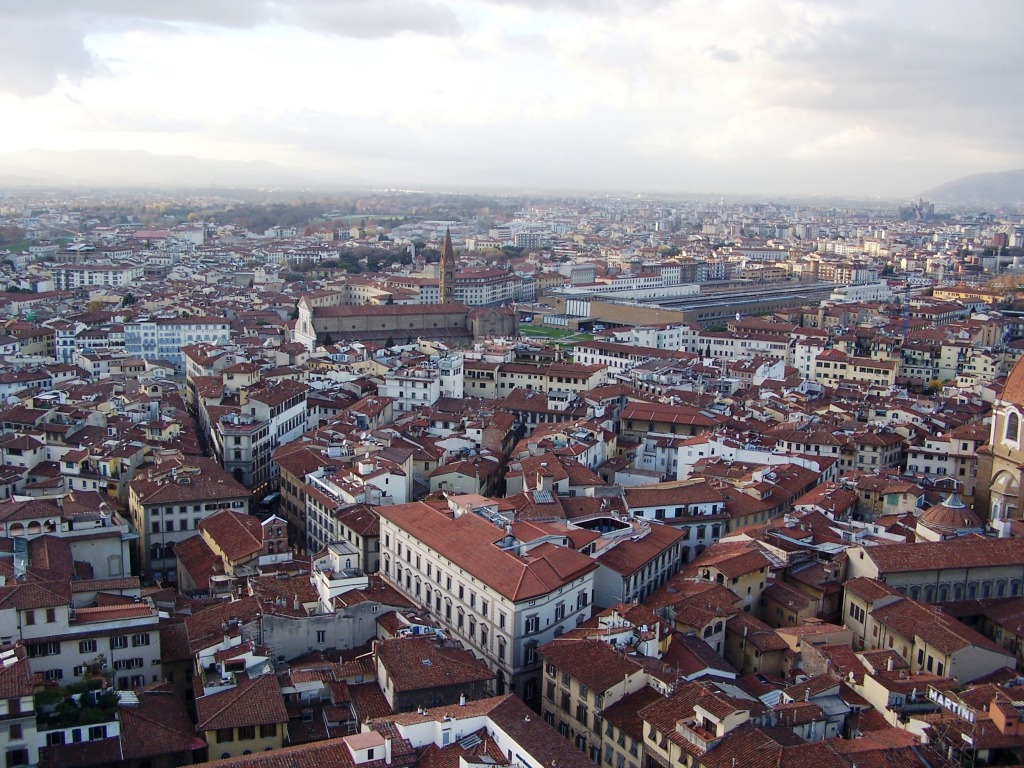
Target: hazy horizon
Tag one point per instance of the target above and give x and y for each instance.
(801, 99)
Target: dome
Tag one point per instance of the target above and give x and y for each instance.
(1013, 390)
(950, 517)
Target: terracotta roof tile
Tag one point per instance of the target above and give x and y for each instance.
(594, 663)
(962, 552)
(159, 725)
(251, 702)
(468, 541)
(417, 663)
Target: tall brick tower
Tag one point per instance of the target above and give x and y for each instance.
(446, 287)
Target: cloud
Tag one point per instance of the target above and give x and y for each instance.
(28, 68)
(44, 41)
(723, 54)
(370, 18)
(647, 94)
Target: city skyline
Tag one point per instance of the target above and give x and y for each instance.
(659, 96)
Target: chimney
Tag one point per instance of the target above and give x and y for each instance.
(295, 603)
(889, 665)
(462, 700)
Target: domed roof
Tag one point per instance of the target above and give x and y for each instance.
(1013, 391)
(949, 516)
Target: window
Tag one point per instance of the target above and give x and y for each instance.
(532, 624)
(559, 611)
(51, 615)
(1012, 426)
(246, 732)
(43, 649)
(501, 648)
(225, 735)
(140, 639)
(30, 617)
(483, 607)
(97, 732)
(17, 757)
(581, 713)
(121, 641)
(16, 731)
(87, 646)
(268, 731)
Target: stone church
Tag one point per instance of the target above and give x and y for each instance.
(1000, 463)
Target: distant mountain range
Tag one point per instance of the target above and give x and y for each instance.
(981, 189)
(134, 168)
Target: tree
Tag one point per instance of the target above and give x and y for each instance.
(128, 300)
(389, 342)
(11, 234)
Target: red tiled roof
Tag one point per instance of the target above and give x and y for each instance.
(962, 552)
(416, 663)
(594, 663)
(238, 536)
(15, 676)
(468, 541)
(251, 702)
(159, 725)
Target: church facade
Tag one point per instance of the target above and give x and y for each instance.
(1000, 463)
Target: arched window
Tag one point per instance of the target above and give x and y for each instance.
(1012, 426)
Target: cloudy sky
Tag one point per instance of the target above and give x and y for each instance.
(727, 96)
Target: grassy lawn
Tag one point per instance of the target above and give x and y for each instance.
(20, 245)
(561, 334)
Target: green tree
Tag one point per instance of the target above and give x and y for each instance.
(128, 300)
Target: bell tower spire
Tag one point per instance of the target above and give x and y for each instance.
(446, 286)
